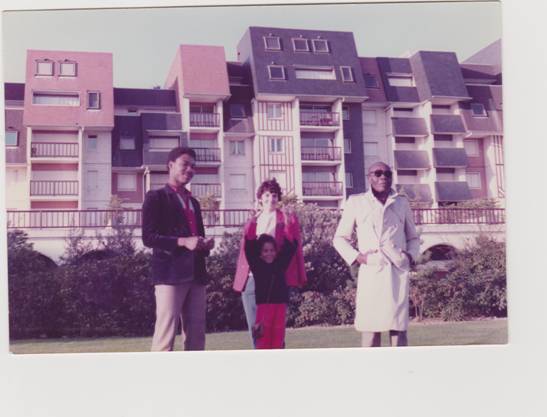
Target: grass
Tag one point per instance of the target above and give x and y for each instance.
(419, 334)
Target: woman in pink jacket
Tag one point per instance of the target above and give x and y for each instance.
(280, 225)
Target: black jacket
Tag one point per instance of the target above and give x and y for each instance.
(270, 284)
(163, 222)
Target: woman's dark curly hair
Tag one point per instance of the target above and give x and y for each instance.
(269, 185)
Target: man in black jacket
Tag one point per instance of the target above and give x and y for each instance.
(172, 226)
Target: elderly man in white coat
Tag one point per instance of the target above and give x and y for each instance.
(387, 245)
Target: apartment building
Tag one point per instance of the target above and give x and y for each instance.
(297, 105)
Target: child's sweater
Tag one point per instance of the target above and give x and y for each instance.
(272, 275)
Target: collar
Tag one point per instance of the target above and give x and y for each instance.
(181, 190)
(390, 198)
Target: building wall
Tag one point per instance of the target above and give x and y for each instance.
(94, 73)
(97, 170)
(14, 122)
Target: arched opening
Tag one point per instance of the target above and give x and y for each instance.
(440, 253)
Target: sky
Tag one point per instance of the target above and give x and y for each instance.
(144, 41)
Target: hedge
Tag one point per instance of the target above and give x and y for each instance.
(106, 291)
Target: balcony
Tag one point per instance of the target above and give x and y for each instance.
(54, 188)
(409, 126)
(204, 190)
(326, 188)
(450, 158)
(207, 120)
(319, 119)
(54, 150)
(207, 155)
(321, 154)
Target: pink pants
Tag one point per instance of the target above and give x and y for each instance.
(272, 317)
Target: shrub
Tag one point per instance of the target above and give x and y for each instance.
(314, 308)
(35, 304)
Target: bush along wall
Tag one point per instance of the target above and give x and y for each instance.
(106, 291)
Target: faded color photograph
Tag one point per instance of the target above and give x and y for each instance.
(241, 178)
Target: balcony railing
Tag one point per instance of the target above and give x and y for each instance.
(203, 190)
(34, 219)
(54, 150)
(53, 188)
(315, 118)
(321, 154)
(204, 120)
(207, 154)
(459, 216)
(326, 188)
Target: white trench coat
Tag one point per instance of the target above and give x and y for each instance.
(383, 282)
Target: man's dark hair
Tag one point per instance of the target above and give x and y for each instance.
(269, 185)
(177, 152)
(263, 239)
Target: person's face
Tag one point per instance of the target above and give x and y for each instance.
(182, 170)
(380, 177)
(269, 200)
(267, 253)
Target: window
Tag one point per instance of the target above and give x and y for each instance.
(371, 148)
(320, 45)
(93, 100)
(400, 80)
(349, 180)
(478, 110)
(345, 113)
(92, 142)
(12, 138)
(347, 145)
(202, 108)
(300, 45)
(443, 138)
(238, 182)
(163, 143)
(369, 117)
(472, 148)
(276, 145)
(127, 182)
(92, 182)
(407, 172)
(371, 81)
(276, 72)
(44, 67)
(474, 180)
(67, 69)
(272, 43)
(274, 110)
(446, 170)
(56, 99)
(127, 143)
(402, 139)
(237, 111)
(403, 110)
(315, 73)
(237, 147)
(347, 74)
(441, 107)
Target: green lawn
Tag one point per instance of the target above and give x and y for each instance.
(420, 334)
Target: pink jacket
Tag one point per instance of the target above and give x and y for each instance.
(287, 227)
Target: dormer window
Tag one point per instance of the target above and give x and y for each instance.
(276, 72)
(347, 74)
(44, 67)
(67, 69)
(300, 45)
(320, 45)
(478, 110)
(272, 43)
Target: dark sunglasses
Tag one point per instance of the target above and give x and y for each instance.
(378, 173)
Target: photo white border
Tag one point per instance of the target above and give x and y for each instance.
(507, 380)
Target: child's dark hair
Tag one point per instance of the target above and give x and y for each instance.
(269, 185)
(263, 239)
